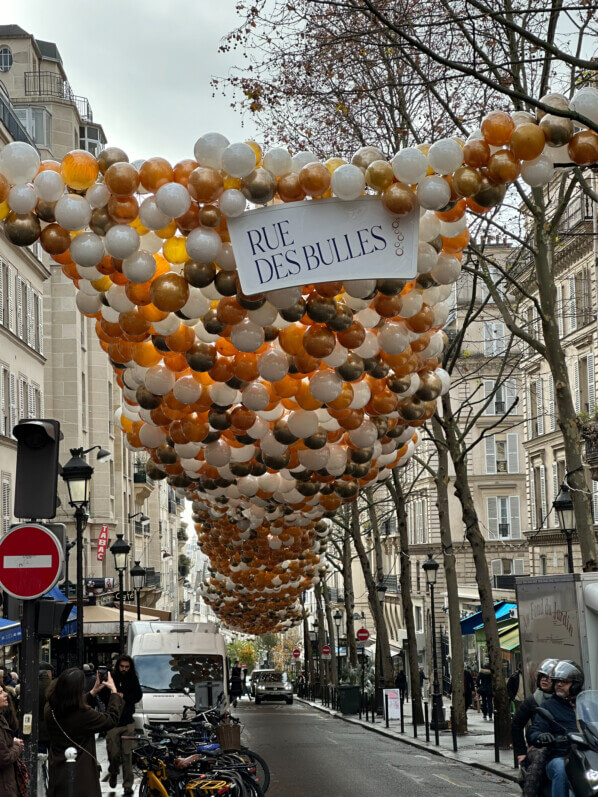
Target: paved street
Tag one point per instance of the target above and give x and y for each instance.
(310, 753)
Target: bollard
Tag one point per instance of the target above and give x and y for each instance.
(496, 748)
(402, 714)
(367, 709)
(386, 708)
(414, 718)
(374, 707)
(71, 757)
(360, 705)
(453, 729)
(427, 721)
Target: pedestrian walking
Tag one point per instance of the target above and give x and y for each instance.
(484, 686)
(422, 677)
(236, 683)
(468, 687)
(11, 748)
(119, 748)
(245, 685)
(401, 684)
(72, 721)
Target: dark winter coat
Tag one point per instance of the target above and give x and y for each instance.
(522, 716)
(44, 683)
(485, 682)
(401, 680)
(563, 712)
(127, 684)
(81, 726)
(236, 682)
(8, 756)
(468, 687)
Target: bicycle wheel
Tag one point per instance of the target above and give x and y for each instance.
(262, 769)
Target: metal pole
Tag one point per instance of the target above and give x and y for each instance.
(122, 611)
(569, 535)
(402, 714)
(30, 695)
(436, 695)
(71, 759)
(338, 655)
(386, 708)
(496, 747)
(454, 729)
(80, 518)
(414, 718)
(138, 604)
(427, 721)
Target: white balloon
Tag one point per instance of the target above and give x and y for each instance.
(302, 423)
(446, 270)
(50, 186)
(360, 289)
(247, 336)
(453, 228)
(278, 161)
(226, 257)
(97, 195)
(410, 165)
(19, 162)
(585, 103)
(441, 313)
(22, 198)
(217, 453)
(121, 241)
(173, 199)
(88, 304)
(285, 297)
(151, 436)
(87, 249)
(433, 193)
(168, 325)
(325, 386)
(255, 396)
(151, 216)
(445, 156)
(203, 245)
(223, 395)
(186, 389)
(232, 202)
(273, 365)
(118, 299)
(150, 242)
(238, 159)
(139, 266)
(392, 338)
(314, 460)
(365, 435)
(196, 305)
(412, 304)
(537, 172)
(361, 395)
(208, 149)
(338, 357)
(348, 182)
(301, 159)
(159, 380)
(264, 315)
(429, 227)
(72, 212)
(370, 346)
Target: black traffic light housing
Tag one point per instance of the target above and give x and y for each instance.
(37, 467)
(52, 616)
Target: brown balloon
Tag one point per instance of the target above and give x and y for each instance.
(259, 186)
(110, 156)
(22, 230)
(205, 185)
(467, 181)
(101, 221)
(199, 275)
(399, 199)
(289, 188)
(121, 179)
(54, 239)
(557, 129)
(45, 211)
(169, 292)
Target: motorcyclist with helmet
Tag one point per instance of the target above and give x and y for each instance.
(532, 760)
(568, 682)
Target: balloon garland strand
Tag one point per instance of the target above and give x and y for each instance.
(270, 411)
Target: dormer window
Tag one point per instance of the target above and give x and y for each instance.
(5, 59)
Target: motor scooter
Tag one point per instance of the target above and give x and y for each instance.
(581, 761)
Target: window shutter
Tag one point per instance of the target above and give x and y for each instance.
(1, 292)
(488, 343)
(30, 318)
(21, 406)
(490, 449)
(40, 323)
(528, 408)
(511, 392)
(6, 502)
(513, 453)
(10, 308)
(41, 403)
(488, 388)
(500, 340)
(492, 505)
(540, 406)
(519, 567)
(595, 501)
(3, 397)
(576, 390)
(572, 305)
(551, 412)
(532, 500)
(19, 291)
(31, 408)
(543, 493)
(515, 517)
(555, 490)
(496, 567)
(559, 310)
(12, 416)
(591, 383)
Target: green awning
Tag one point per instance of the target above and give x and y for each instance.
(509, 638)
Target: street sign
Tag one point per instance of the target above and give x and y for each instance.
(102, 542)
(296, 653)
(30, 561)
(325, 650)
(363, 635)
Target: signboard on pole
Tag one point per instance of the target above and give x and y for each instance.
(326, 652)
(301, 243)
(102, 542)
(31, 559)
(296, 653)
(363, 634)
(394, 704)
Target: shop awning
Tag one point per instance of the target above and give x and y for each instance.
(502, 610)
(105, 620)
(509, 637)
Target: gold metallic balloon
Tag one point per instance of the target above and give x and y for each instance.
(557, 129)
(489, 194)
(379, 175)
(22, 230)
(45, 211)
(411, 409)
(259, 186)
(365, 156)
(398, 199)
(467, 181)
(110, 156)
(554, 100)
(430, 387)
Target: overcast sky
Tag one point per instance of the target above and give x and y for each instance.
(145, 67)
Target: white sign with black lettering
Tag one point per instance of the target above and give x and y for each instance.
(324, 240)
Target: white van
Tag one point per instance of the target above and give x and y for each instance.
(178, 664)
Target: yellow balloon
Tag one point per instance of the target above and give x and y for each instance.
(174, 250)
(138, 226)
(167, 232)
(4, 210)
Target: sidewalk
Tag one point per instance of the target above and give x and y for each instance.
(475, 749)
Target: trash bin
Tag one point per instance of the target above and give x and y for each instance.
(349, 697)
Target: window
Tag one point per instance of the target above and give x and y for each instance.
(584, 384)
(559, 310)
(543, 565)
(419, 623)
(83, 402)
(5, 401)
(535, 408)
(503, 517)
(418, 576)
(503, 397)
(38, 123)
(6, 502)
(539, 494)
(502, 454)
(583, 303)
(494, 338)
(5, 59)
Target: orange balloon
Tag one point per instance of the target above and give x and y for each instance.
(145, 354)
(154, 173)
(182, 339)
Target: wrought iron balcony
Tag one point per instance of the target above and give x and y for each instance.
(10, 120)
(152, 578)
(140, 475)
(50, 84)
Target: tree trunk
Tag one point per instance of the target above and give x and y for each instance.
(349, 599)
(374, 603)
(566, 414)
(478, 548)
(331, 635)
(396, 491)
(384, 649)
(442, 502)
(309, 659)
(321, 638)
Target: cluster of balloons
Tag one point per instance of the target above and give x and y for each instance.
(268, 411)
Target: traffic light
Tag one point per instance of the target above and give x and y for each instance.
(37, 468)
(52, 616)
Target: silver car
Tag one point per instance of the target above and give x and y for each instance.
(271, 685)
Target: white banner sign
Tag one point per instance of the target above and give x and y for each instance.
(394, 704)
(325, 240)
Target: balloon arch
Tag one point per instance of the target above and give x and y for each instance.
(269, 411)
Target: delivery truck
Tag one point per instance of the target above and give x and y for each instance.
(178, 664)
(558, 618)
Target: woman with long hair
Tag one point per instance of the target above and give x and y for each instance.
(11, 748)
(72, 721)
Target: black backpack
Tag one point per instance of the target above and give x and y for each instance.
(513, 685)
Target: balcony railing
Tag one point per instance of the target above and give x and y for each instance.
(140, 475)
(10, 120)
(49, 84)
(152, 578)
(171, 507)
(391, 583)
(181, 535)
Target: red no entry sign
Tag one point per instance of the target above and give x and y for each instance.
(363, 635)
(30, 561)
(296, 653)
(326, 650)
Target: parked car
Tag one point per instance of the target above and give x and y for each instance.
(255, 676)
(273, 685)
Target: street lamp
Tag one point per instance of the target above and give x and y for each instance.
(77, 474)
(143, 519)
(337, 621)
(120, 550)
(563, 506)
(138, 578)
(430, 568)
(381, 593)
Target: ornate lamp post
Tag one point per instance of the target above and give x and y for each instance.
(138, 579)
(431, 570)
(337, 621)
(120, 550)
(563, 506)
(381, 593)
